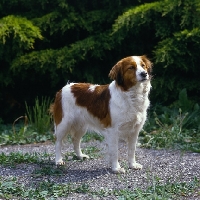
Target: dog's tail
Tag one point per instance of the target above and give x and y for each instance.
(56, 108)
(56, 111)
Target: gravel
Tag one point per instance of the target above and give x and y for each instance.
(165, 165)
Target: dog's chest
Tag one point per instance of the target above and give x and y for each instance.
(135, 110)
(131, 108)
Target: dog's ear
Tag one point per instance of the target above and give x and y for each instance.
(116, 74)
(148, 63)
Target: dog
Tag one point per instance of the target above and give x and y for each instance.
(116, 110)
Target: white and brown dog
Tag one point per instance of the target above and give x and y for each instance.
(117, 110)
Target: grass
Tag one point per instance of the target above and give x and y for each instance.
(160, 191)
(162, 132)
(9, 188)
(175, 127)
(22, 135)
(36, 125)
(43, 160)
(39, 116)
(92, 136)
(15, 158)
(49, 169)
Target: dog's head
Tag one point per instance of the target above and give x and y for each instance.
(131, 70)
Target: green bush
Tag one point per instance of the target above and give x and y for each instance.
(36, 127)
(174, 33)
(38, 115)
(49, 43)
(175, 127)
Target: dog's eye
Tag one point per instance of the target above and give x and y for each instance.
(143, 65)
(131, 67)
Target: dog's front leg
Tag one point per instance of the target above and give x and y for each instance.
(112, 142)
(132, 141)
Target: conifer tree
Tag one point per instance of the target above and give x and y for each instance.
(45, 43)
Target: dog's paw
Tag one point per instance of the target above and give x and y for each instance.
(60, 162)
(135, 166)
(83, 156)
(118, 170)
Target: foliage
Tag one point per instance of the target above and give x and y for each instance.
(92, 136)
(174, 27)
(23, 135)
(27, 137)
(15, 158)
(36, 128)
(21, 29)
(176, 127)
(38, 115)
(17, 34)
(75, 38)
(49, 43)
(159, 191)
(9, 188)
(47, 189)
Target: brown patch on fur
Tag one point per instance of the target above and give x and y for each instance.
(148, 63)
(124, 73)
(96, 101)
(56, 108)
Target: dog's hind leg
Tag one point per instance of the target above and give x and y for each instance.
(76, 139)
(60, 133)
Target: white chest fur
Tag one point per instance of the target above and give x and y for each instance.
(129, 109)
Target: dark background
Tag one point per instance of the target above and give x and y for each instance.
(46, 43)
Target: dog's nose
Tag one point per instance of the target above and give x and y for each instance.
(143, 74)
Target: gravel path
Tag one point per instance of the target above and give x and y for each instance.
(163, 164)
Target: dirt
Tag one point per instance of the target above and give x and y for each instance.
(163, 166)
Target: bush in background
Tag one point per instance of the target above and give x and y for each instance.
(50, 43)
(38, 115)
(175, 127)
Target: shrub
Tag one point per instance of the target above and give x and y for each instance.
(38, 115)
(176, 126)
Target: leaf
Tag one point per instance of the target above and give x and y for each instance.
(23, 31)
